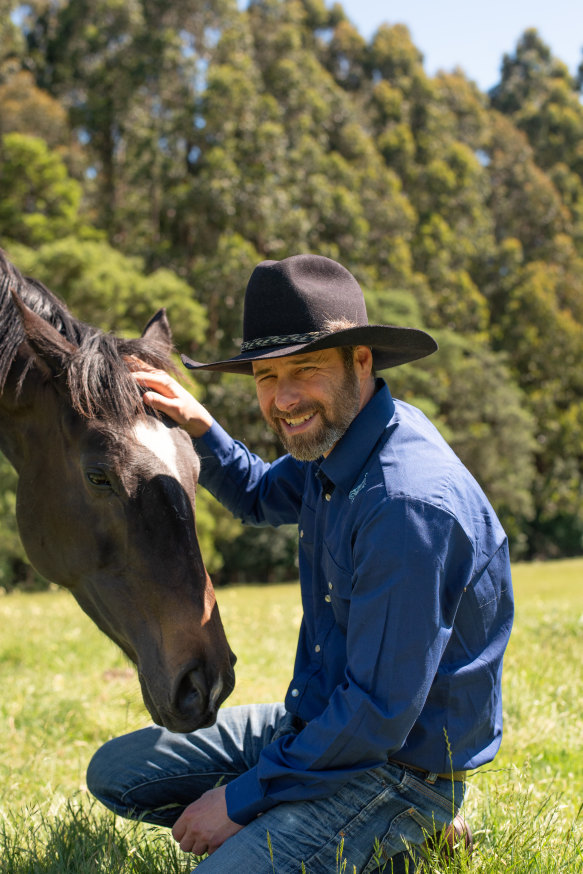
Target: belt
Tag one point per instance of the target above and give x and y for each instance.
(431, 776)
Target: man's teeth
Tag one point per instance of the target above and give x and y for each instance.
(295, 422)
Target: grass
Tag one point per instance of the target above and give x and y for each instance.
(66, 689)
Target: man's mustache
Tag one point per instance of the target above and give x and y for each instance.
(297, 412)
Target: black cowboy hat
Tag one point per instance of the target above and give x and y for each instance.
(289, 305)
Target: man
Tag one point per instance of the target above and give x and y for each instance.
(406, 593)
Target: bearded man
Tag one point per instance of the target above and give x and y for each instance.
(406, 593)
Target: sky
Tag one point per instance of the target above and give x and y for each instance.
(472, 35)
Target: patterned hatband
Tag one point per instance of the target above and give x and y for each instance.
(281, 340)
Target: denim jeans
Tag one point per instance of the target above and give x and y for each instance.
(153, 775)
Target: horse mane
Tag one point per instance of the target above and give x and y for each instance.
(98, 374)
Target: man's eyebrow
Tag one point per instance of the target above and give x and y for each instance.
(261, 371)
(298, 359)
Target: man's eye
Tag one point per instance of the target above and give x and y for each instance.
(98, 478)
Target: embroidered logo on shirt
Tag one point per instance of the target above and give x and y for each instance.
(357, 489)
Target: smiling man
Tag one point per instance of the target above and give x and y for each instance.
(406, 594)
(310, 400)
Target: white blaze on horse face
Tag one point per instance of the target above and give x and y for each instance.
(156, 437)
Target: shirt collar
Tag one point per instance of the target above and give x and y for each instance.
(352, 451)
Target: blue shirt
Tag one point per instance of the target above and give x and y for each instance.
(407, 603)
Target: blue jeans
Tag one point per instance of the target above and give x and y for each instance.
(153, 775)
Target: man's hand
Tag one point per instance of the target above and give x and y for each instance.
(169, 397)
(205, 825)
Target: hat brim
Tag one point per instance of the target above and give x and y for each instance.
(390, 346)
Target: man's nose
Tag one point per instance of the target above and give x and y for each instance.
(287, 394)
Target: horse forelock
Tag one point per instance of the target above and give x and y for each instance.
(100, 381)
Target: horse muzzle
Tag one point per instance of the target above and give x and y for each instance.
(195, 698)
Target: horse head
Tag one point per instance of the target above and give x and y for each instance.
(106, 508)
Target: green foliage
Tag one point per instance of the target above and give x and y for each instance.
(110, 290)
(11, 40)
(26, 109)
(199, 140)
(38, 200)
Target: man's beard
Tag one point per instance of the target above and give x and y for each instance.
(343, 405)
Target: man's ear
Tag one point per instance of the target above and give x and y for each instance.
(363, 362)
(45, 341)
(158, 331)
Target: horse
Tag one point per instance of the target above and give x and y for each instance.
(106, 496)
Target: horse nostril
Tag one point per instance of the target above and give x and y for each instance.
(192, 692)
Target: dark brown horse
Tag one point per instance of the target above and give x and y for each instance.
(106, 496)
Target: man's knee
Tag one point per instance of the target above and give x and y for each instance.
(104, 770)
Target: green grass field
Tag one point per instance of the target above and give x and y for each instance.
(65, 689)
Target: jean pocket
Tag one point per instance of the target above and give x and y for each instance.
(424, 811)
(440, 800)
(408, 830)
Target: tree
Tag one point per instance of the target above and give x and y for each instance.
(208, 138)
(469, 392)
(11, 41)
(38, 200)
(111, 291)
(524, 202)
(129, 73)
(541, 97)
(25, 109)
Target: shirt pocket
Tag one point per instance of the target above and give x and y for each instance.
(338, 588)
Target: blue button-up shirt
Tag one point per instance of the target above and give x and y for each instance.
(407, 603)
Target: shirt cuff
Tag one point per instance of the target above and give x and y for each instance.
(217, 440)
(245, 800)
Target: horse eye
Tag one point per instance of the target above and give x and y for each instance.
(98, 479)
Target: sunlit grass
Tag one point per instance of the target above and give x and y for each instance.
(66, 689)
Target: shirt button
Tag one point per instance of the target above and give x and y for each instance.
(327, 496)
(317, 648)
(330, 586)
(301, 533)
(327, 598)
(295, 693)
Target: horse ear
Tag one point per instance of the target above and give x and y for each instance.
(158, 330)
(45, 341)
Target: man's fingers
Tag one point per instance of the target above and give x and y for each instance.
(157, 401)
(178, 830)
(188, 842)
(134, 363)
(157, 380)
